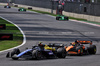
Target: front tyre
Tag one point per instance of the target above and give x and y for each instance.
(5, 6)
(15, 58)
(80, 51)
(25, 10)
(14, 53)
(66, 18)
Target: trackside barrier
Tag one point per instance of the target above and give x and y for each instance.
(83, 16)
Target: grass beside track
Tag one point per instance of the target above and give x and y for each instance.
(17, 36)
(56, 15)
(80, 19)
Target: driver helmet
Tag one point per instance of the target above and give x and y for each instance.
(76, 42)
(40, 44)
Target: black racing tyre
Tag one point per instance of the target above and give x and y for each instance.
(15, 58)
(5, 6)
(24, 9)
(18, 9)
(92, 49)
(15, 5)
(61, 53)
(15, 51)
(57, 18)
(9, 7)
(36, 54)
(30, 8)
(66, 18)
(81, 52)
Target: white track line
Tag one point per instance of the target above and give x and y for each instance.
(73, 20)
(24, 40)
(86, 23)
(77, 21)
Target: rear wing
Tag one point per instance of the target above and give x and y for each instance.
(56, 45)
(85, 42)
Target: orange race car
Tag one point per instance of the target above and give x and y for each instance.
(80, 48)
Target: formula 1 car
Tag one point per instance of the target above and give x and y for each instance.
(61, 17)
(83, 47)
(21, 9)
(39, 52)
(7, 6)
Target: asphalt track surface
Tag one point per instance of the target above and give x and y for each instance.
(40, 27)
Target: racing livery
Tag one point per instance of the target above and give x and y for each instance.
(61, 17)
(80, 48)
(21, 9)
(39, 52)
(7, 6)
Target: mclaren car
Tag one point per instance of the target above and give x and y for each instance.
(81, 48)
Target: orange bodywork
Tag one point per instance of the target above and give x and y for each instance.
(69, 47)
(83, 47)
(77, 52)
(72, 52)
(85, 42)
(73, 43)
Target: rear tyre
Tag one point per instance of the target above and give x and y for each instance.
(57, 18)
(36, 55)
(9, 7)
(24, 9)
(92, 49)
(61, 53)
(66, 18)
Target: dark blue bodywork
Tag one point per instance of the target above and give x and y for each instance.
(28, 53)
(22, 53)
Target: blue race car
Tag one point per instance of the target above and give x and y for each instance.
(39, 52)
(7, 6)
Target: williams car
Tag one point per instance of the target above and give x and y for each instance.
(39, 52)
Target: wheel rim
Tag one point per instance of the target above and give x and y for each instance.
(39, 55)
(81, 51)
